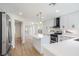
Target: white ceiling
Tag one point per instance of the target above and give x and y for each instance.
(30, 10)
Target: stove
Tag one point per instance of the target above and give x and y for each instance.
(54, 37)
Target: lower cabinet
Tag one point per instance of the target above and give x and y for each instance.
(47, 53)
(39, 42)
(37, 45)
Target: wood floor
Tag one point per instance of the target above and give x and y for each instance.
(24, 49)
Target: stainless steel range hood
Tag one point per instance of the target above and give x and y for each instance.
(57, 23)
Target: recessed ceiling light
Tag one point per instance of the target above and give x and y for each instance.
(32, 23)
(40, 22)
(20, 13)
(57, 11)
(42, 17)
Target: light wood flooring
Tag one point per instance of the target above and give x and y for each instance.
(24, 49)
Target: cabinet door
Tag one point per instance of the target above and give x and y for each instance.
(70, 21)
(74, 20)
(64, 22)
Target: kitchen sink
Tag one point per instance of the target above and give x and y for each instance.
(76, 39)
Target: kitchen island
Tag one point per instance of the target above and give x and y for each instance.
(64, 48)
(40, 40)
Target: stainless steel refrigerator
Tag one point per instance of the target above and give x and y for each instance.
(6, 34)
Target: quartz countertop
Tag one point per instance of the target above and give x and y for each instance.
(38, 36)
(71, 35)
(64, 48)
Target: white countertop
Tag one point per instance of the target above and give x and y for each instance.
(64, 48)
(38, 36)
(71, 35)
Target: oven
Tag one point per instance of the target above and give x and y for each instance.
(53, 38)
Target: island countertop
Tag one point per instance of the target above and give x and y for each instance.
(63, 48)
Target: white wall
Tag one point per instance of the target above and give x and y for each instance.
(17, 30)
(13, 32)
(23, 32)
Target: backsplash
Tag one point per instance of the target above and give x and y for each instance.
(70, 31)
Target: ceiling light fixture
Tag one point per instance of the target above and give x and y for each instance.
(20, 13)
(32, 23)
(42, 17)
(52, 4)
(57, 11)
(40, 22)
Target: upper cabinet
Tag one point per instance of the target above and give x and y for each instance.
(64, 22)
(70, 21)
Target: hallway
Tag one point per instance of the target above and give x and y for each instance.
(24, 49)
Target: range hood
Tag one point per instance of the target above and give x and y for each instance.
(56, 27)
(57, 23)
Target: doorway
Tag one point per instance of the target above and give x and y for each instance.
(18, 39)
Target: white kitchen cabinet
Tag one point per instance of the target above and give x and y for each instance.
(61, 38)
(69, 20)
(47, 52)
(38, 42)
(64, 22)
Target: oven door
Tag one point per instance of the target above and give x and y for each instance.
(53, 38)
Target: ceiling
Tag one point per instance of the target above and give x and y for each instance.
(30, 10)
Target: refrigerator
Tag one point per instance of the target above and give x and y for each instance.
(5, 34)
